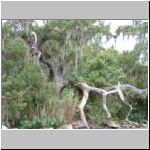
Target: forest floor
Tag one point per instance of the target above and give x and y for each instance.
(110, 125)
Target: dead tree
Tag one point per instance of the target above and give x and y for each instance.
(104, 92)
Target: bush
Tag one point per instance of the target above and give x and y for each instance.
(41, 122)
(140, 113)
(14, 57)
(138, 117)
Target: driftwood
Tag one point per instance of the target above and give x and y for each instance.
(104, 92)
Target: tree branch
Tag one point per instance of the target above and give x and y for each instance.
(106, 91)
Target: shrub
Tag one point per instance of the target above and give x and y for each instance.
(41, 122)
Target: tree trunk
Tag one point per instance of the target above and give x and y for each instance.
(76, 58)
(56, 69)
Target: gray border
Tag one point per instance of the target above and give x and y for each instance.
(75, 10)
(60, 139)
(112, 139)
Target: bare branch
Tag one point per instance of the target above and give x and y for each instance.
(136, 91)
(110, 90)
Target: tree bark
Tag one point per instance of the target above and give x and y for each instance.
(57, 71)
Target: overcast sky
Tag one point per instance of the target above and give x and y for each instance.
(121, 44)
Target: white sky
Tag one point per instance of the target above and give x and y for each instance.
(121, 44)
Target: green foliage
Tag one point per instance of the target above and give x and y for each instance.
(138, 117)
(140, 32)
(94, 111)
(103, 68)
(32, 96)
(75, 77)
(29, 101)
(6, 33)
(21, 92)
(14, 56)
(135, 71)
(96, 114)
(140, 113)
(41, 122)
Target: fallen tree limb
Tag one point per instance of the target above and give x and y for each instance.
(104, 92)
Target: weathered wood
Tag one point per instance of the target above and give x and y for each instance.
(81, 107)
(106, 91)
(135, 91)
